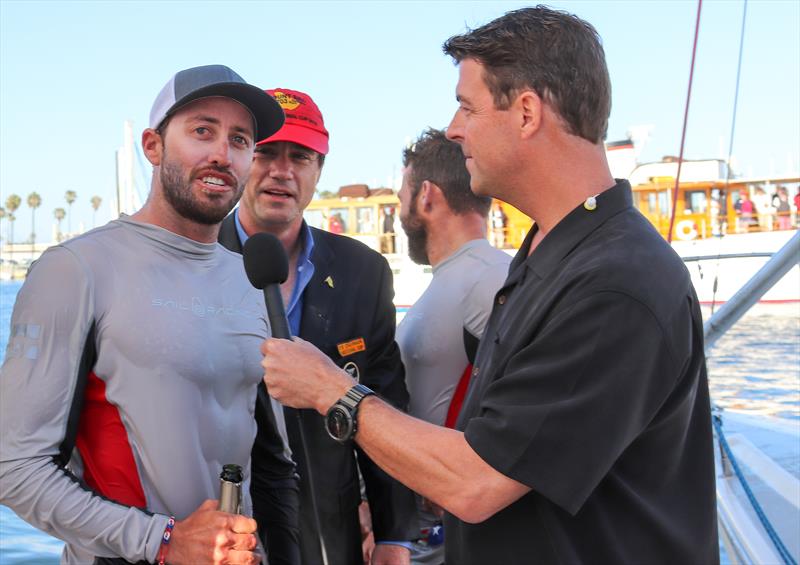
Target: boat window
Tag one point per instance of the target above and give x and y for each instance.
(337, 220)
(696, 202)
(315, 219)
(652, 203)
(664, 205)
(365, 216)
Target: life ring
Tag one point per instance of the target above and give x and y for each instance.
(685, 230)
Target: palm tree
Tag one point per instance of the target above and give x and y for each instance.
(59, 214)
(70, 196)
(12, 203)
(34, 201)
(2, 215)
(96, 201)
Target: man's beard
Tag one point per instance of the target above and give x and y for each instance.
(417, 236)
(178, 192)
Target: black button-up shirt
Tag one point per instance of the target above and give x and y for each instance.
(590, 387)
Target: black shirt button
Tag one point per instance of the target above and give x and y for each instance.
(501, 299)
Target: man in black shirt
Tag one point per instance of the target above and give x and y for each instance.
(585, 436)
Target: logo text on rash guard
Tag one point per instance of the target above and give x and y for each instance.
(196, 306)
(24, 341)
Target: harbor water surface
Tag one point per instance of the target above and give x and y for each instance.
(755, 368)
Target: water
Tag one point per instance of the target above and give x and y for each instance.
(754, 368)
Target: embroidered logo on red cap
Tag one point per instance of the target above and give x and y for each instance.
(287, 101)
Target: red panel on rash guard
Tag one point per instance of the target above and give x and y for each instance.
(458, 398)
(109, 467)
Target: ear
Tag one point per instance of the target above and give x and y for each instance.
(531, 108)
(152, 146)
(430, 197)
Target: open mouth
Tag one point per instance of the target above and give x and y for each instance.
(278, 193)
(215, 182)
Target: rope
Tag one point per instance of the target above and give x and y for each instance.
(773, 535)
(685, 120)
(730, 145)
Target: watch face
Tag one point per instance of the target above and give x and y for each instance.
(339, 424)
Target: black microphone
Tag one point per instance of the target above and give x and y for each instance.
(267, 266)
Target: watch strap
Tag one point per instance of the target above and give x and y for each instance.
(354, 396)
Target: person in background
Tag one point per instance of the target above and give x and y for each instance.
(388, 229)
(744, 209)
(339, 297)
(133, 363)
(499, 222)
(783, 209)
(585, 435)
(446, 228)
(797, 208)
(764, 209)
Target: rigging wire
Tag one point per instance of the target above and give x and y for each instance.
(730, 145)
(685, 120)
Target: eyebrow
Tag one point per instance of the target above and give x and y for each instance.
(215, 121)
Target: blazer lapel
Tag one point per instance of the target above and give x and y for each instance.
(228, 236)
(319, 296)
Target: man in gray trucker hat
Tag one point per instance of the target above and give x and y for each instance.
(133, 364)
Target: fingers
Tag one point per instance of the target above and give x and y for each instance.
(243, 525)
(238, 557)
(243, 542)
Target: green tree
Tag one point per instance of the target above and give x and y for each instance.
(59, 214)
(70, 196)
(96, 201)
(34, 201)
(13, 202)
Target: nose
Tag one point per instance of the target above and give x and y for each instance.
(281, 167)
(455, 131)
(221, 153)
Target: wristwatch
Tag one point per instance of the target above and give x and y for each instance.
(340, 421)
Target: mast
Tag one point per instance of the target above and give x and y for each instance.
(127, 198)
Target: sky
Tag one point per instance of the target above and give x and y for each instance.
(72, 72)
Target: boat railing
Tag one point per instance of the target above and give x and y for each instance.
(773, 270)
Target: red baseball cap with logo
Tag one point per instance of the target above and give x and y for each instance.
(303, 125)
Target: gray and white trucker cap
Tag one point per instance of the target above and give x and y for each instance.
(217, 80)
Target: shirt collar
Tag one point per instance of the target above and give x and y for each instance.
(307, 241)
(571, 230)
(471, 244)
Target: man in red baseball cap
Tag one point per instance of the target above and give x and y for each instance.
(338, 296)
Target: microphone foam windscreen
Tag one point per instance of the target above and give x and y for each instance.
(265, 260)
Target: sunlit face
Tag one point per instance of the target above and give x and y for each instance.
(413, 225)
(282, 183)
(482, 130)
(208, 150)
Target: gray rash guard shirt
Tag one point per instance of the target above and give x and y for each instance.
(168, 331)
(431, 336)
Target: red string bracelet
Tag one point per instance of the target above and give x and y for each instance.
(162, 553)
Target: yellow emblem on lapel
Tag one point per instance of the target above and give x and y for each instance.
(329, 282)
(350, 347)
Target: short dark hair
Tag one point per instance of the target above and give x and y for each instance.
(435, 158)
(556, 54)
